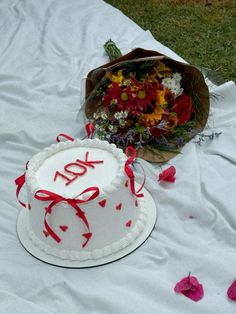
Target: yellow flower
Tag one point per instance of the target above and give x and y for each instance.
(117, 78)
(159, 71)
(153, 118)
(160, 99)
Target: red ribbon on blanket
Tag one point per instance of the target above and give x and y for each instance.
(45, 195)
(131, 153)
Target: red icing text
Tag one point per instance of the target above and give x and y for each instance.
(81, 167)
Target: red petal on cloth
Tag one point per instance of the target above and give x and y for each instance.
(136, 203)
(232, 291)
(102, 203)
(63, 228)
(190, 287)
(118, 207)
(128, 223)
(126, 183)
(168, 175)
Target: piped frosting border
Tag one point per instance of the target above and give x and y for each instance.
(114, 247)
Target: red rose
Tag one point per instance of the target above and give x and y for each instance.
(183, 107)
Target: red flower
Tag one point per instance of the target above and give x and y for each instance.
(190, 287)
(122, 99)
(183, 107)
(145, 96)
(168, 175)
(232, 291)
(157, 133)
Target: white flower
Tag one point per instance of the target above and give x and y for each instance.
(95, 115)
(177, 76)
(117, 115)
(122, 123)
(125, 114)
(113, 102)
(111, 127)
(121, 115)
(103, 116)
(127, 82)
(173, 83)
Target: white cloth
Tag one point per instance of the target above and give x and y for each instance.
(46, 50)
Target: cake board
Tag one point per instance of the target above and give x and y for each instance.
(22, 232)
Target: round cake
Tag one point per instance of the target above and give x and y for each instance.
(83, 203)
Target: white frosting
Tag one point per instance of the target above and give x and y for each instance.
(114, 225)
(92, 177)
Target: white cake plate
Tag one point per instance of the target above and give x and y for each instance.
(22, 228)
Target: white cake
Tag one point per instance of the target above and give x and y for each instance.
(80, 202)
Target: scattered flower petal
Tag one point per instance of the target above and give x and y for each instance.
(232, 291)
(168, 175)
(190, 287)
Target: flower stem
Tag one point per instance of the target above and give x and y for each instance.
(112, 50)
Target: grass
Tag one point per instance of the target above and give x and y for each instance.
(202, 32)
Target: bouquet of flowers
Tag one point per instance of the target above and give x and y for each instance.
(149, 101)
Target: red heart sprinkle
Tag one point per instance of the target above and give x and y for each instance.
(63, 228)
(128, 223)
(46, 233)
(87, 235)
(102, 203)
(118, 207)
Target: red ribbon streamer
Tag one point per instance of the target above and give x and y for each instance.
(45, 195)
(20, 181)
(69, 138)
(131, 153)
(89, 129)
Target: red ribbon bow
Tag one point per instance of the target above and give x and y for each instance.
(89, 129)
(69, 138)
(45, 195)
(131, 153)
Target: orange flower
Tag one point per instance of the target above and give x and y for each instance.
(172, 122)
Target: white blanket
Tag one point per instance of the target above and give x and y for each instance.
(46, 50)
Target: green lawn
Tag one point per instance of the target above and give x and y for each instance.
(202, 32)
